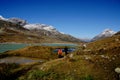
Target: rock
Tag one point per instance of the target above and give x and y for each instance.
(71, 55)
(113, 58)
(117, 70)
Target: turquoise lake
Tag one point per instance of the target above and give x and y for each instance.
(13, 46)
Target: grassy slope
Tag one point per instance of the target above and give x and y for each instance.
(96, 62)
(110, 42)
(13, 71)
(96, 66)
(20, 38)
(41, 52)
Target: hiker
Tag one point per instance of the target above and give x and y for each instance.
(60, 53)
(66, 50)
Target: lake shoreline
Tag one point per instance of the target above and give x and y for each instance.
(13, 46)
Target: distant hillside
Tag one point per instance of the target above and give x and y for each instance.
(118, 33)
(105, 44)
(10, 32)
(17, 30)
(10, 25)
(104, 34)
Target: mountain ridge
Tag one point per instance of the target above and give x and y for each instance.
(104, 34)
(39, 32)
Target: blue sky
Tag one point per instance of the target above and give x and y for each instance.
(80, 18)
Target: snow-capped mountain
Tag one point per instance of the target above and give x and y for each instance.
(18, 21)
(2, 18)
(104, 34)
(24, 32)
(14, 20)
(40, 27)
(29, 26)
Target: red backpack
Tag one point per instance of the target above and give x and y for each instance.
(60, 51)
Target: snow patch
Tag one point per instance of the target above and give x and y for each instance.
(2, 18)
(40, 26)
(14, 20)
(17, 21)
(105, 33)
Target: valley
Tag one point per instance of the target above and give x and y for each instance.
(32, 54)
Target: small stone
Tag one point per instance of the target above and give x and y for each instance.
(116, 39)
(105, 68)
(102, 56)
(117, 70)
(110, 60)
(74, 69)
(71, 56)
(113, 58)
(115, 55)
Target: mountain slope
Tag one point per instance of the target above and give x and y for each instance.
(10, 32)
(109, 45)
(17, 30)
(104, 34)
(118, 33)
(14, 20)
(40, 27)
(50, 32)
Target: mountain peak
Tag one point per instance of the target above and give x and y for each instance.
(104, 34)
(2, 18)
(17, 21)
(107, 33)
(14, 20)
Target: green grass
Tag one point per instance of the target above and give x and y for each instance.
(12, 71)
(96, 64)
(6, 70)
(41, 52)
(51, 75)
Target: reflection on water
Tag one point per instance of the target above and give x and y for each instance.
(18, 60)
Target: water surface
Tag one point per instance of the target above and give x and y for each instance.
(13, 46)
(19, 60)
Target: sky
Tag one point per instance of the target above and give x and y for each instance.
(80, 18)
